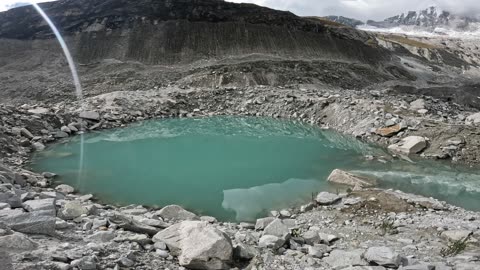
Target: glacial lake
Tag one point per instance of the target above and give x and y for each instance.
(236, 168)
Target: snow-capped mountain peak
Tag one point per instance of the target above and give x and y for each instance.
(430, 20)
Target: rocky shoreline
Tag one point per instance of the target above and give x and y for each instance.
(47, 227)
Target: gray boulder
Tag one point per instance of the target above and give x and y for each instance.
(418, 267)
(326, 198)
(263, 222)
(271, 241)
(409, 145)
(31, 223)
(65, 189)
(131, 223)
(244, 252)
(277, 228)
(90, 115)
(418, 104)
(197, 244)
(72, 210)
(327, 238)
(311, 237)
(456, 235)
(4, 206)
(474, 118)
(45, 205)
(345, 178)
(340, 259)
(175, 212)
(17, 242)
(38, 146)
(318, 251)
(383, 256)
(9, 195)
(85, 263)
(102, 236)
(364, 268)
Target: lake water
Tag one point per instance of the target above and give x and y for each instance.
(235, 168)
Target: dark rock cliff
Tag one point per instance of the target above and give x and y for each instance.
(167, 31)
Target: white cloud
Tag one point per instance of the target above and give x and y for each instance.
(7, 4)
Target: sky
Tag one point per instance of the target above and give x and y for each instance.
(7, 4)
(359, 9)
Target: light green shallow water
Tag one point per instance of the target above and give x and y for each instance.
(234, 168)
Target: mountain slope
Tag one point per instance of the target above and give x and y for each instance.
(135, 45)
(166, 31)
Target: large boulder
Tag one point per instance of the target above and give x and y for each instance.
(175, 212)
(383, 256)
(133, 224)
(326, 198)
(46, 205)
(38, 222)
(90, 115)
(474, 118)
(9, 195)
(409, 145)
(456, 235)
(72, 210)
(278, 227)
(65, 189)
(197, 244)
(339, 259)
(17, 242)
(7, 176)
(418, 104)
(271, 241)
(263, 222)
(345, 178)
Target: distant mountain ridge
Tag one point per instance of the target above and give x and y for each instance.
(430, 18)
(345, 20)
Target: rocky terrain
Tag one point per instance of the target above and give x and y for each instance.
(418, 98)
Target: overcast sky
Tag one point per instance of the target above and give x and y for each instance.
(360, 9)
(7, 4)
(366, 9)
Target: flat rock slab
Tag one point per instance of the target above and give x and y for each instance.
(340, 259)
(456, 235)
(327, 198)
(47, 205)
(175, 212)
(263, 222)
(383, 256)
(31, 223)
(389, 131)
(90, 115)
(345, 178)
(410, 145)
(278, 228)
(72, 210)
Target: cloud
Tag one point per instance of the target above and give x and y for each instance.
(366, 9)
(8, 4)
